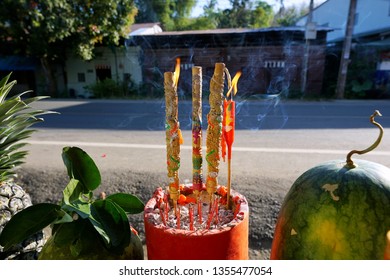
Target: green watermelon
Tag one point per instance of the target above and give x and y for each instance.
(335, 211)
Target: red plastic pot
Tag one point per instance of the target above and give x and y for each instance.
(228, 243)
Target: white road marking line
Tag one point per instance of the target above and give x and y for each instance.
(186, 147)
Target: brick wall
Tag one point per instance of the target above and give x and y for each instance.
(266, 68)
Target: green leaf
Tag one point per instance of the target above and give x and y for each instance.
(83, 209)
(113, 222)
(131, 204)
(100, 230)
(29, 221)
(66, 234)
(64, 220)
(73, 199)
(80, 166)
(72, 191)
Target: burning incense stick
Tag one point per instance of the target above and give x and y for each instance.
(228, 128)
(214, 129)
(197, 129)
(173, 133)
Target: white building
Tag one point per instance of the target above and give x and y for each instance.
(370, 39)
(372, 18)
(116, 63)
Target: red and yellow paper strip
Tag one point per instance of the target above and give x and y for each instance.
(173, 132)
(228, 129)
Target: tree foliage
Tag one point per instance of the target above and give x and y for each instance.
(46, 28)
(246, 14)
(172, 14)
(34, 26)
(289, 16)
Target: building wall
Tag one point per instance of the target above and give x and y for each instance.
(371, 16)
(119, 62)
(265, 69)
(272, 61)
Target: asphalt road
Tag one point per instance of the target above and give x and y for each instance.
(275, 142)
(258, 114)
(274, 138)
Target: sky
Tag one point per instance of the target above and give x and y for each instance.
(274, 3)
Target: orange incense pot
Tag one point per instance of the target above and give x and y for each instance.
(225, 243)
(211, 238)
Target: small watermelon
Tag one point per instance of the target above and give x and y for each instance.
(336, 210)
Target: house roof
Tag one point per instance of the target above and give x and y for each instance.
(226, 37)
(240, 30)
(145, 28)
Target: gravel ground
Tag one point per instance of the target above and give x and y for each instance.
(264, 195)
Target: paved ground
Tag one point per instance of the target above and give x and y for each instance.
(275, 143)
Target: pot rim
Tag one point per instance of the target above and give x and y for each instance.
(244, 212)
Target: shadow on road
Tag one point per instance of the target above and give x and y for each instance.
(250, 114)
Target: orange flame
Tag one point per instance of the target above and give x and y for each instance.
(177, 71)
(234, 84)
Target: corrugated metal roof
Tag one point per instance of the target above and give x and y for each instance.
(145, 29)
(239, 30)
(222, 38)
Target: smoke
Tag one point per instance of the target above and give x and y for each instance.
(266, 81)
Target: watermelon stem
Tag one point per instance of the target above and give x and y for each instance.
(373, 146)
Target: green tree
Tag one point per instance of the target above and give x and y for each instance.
(211, 12)
(46, 29)
(208, 20)
(246, 14)
(289, 16)
(172, 14)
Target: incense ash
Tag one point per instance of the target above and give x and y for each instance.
(195, 214)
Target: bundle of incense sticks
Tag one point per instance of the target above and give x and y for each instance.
(214, 130)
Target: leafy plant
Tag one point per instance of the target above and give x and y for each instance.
(359, 87)
(107, 88)
(107, 216)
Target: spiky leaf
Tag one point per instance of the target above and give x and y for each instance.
(16, 118)
(5, 87)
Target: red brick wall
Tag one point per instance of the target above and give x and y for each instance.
(266, 69)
